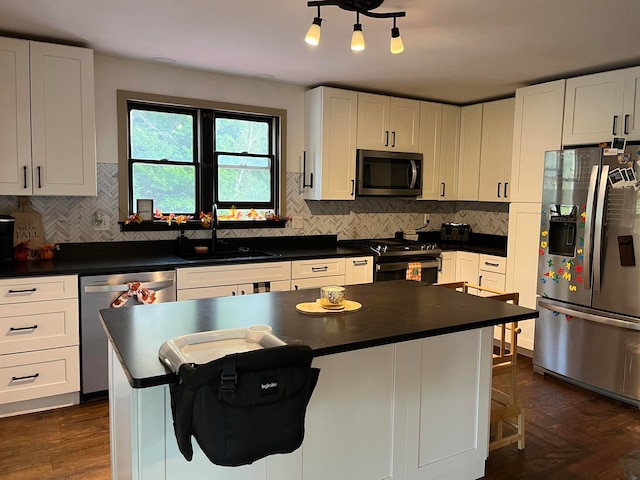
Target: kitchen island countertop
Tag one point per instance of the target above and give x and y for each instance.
(392, 312)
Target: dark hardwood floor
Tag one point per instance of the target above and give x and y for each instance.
(571, 434)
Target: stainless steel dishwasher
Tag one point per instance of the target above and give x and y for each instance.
(101, 291)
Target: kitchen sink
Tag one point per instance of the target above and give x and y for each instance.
(226, 255)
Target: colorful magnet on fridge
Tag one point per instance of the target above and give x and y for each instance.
(579, 250)
(540, 251)
(579, 278)
(543, 280)
(572, 288)
(543, 244)
(568, 317)
(555, 314)
(582, 241)
(550, 263)
(581, 257)
(583, 215)
(579, 268)
(560, 271)
(545, 233)
(567, 276)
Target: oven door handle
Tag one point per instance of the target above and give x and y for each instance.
(387, 267)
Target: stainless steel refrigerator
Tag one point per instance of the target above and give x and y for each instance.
(588, 275)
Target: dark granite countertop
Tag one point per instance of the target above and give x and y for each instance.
(478, 243)
(392, 312)
(146, 256)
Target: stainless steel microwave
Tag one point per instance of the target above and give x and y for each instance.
(395, 174)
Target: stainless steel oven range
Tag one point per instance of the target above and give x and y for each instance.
(393, 257)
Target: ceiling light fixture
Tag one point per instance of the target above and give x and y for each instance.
(313, 34)
(357, 39)
(396, 40)
(363, 7)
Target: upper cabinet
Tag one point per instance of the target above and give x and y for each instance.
(486, 138)
(439, 141)
(601, 106)
(470, 147)
(329, 163)
(47, 123)
(388, 123)
(537, 128)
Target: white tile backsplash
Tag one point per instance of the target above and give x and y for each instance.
(70, 219)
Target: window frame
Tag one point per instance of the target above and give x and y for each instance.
(205, 167)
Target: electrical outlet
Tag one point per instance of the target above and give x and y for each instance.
(297, 222)
(101, 221)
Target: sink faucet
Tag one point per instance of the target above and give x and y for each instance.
(214, 227)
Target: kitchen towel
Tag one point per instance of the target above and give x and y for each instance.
(135, 289)
(414, 271)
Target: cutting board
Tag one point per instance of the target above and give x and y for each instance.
(28, 225)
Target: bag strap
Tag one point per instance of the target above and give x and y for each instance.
(228, 378)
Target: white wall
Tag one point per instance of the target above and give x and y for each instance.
(112, 74)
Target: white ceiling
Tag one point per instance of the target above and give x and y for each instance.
(457, 51)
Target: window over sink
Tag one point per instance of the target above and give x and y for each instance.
(188, 154)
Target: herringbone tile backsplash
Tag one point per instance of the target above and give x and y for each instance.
(70, 219)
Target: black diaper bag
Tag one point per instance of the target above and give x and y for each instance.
(244, 406)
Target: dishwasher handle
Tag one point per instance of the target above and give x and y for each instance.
(123, 287)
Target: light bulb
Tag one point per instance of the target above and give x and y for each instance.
(313, 34)
(396, 41)
(357, 39)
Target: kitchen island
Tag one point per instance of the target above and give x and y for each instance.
(404, 387)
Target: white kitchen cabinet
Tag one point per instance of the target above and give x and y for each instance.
(486, 139)
(601, 106)
(39, 346)
(491, 272)
(439, 143)
(522, 267)
(470, 147)
(358, 270)
(47, 123)
(447, 271)
(467, 264)
(539, 111)
(496, 150)
(317, 273)
(229, 280)
(388, 123)
(329, 163)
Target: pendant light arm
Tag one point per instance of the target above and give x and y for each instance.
(367, 13)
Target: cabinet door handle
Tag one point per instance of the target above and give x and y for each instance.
(480, 281)
(26, 290)
(615, 126)
(353, 187)
(39, 178)
(233, 294)
(304, 172)
(442, 194)
(499, 183)
(26, 377)
(242, 292)
(24, 175)
(295, 287)
(393, 142)
(489, 264)
(319, 269)
(359, 263)
(626, 124)
(386, 140)
(20, 329)
(505, 189)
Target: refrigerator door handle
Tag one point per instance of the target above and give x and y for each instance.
(588, 234)
(590, 316)
(597, 234)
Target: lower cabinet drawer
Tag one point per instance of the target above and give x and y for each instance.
(34, 326)
(302, 283)
(25, 376)
(317, 268)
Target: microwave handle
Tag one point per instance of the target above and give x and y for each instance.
(414, 174)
